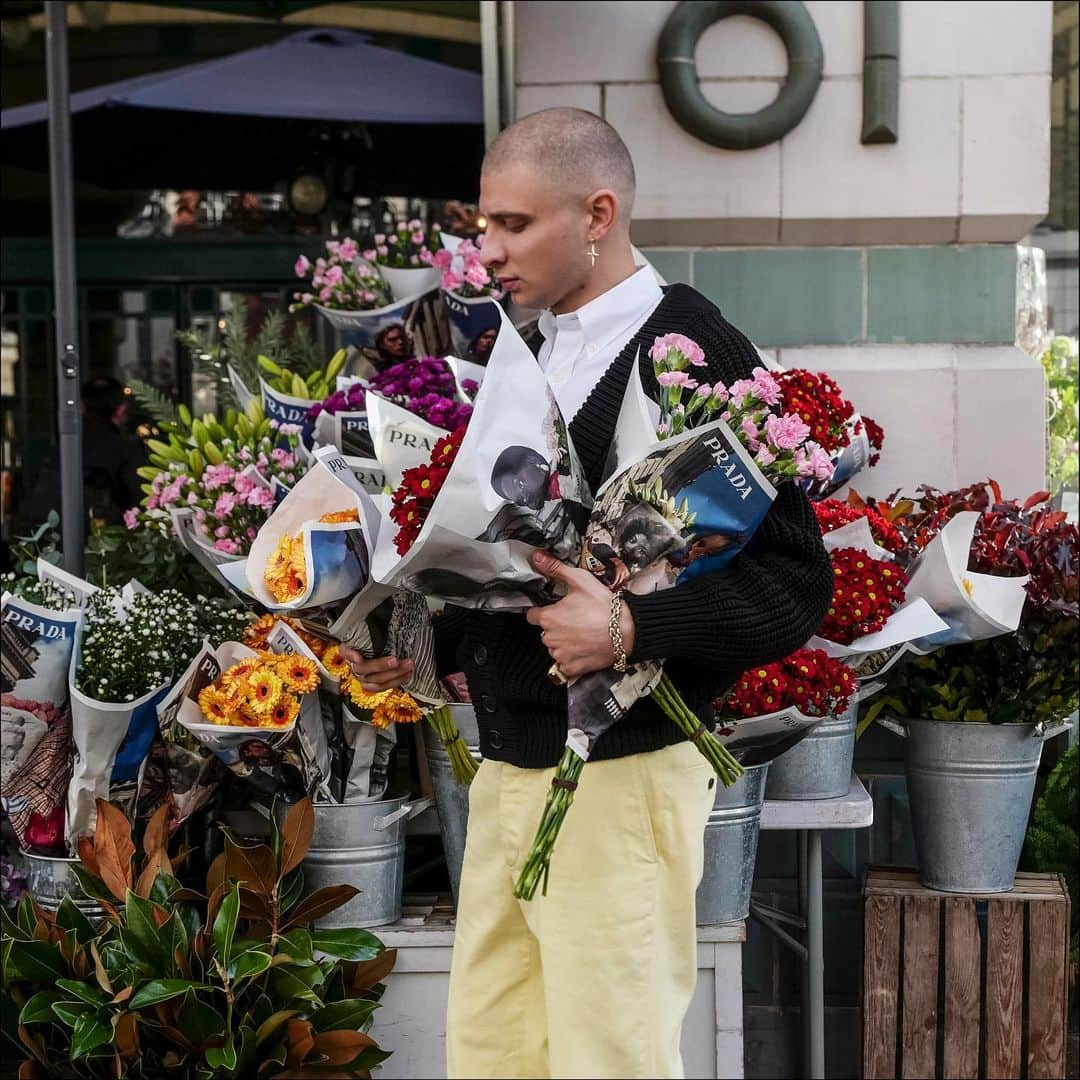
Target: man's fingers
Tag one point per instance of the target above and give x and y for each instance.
(536, 615)
(552, 568)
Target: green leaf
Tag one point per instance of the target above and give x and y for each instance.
(291, 889)
(38, 961)
(347, 943)
(38, 1010)
(71, 918)
(222, 1057)
(25, 914)
(289, 986)
(84, 991)
(145, 940)
(225, 924)
(297, 944)
(161, 990)
(89, 1033)
(199, 1021)
(70, 1012)
(351, 1015)
(11, 929)
(249, 964)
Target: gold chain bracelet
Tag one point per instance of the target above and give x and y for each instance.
(615, 630)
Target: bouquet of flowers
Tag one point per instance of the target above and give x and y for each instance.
(686, 493)
(851, 441)
(774, 706)
(287, 395)
(38, 641)
(833, 514)
(463, 273)
(408, 247)
(425, 386)
(1003, 665)
(128, 649)
(340, 280)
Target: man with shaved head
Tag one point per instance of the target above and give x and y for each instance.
(594, 977)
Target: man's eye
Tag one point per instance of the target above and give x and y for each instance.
(517, 227)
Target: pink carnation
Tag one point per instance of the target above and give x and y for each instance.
(334, 275)
(302, 266)
(677, 343)
(348, 250)
(764, 387)
(786, 432)
(217, 476)
(243, 484)
(230, 547)
(676, 378)
(740, 388)
(131, 518)
(261, 497)
(225, 505)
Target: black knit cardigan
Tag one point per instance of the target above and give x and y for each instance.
(764, 605)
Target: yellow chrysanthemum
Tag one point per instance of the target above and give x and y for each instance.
(262, 689)
(335, 663)
(337, 517)
(398, 708)
(300, 673)
(285, 711)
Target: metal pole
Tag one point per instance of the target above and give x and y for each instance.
(69, 420)
(506, 62)
(489, 54)
(815, 954)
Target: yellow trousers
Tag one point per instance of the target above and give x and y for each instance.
(594, 979)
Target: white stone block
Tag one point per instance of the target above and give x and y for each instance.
(532, 99)
(679, 176)
(828, 174)
(1006, 140)
(959, 37)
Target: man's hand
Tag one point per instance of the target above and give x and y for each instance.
(575, 630)
(384, 673)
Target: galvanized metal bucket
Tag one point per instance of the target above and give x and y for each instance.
(49, 880)
(818, 767)
(970, 787)
(452, 798)
(731, 840)
(363, 844)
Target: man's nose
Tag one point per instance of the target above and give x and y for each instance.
(491, 254)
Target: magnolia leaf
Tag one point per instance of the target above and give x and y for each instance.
(11, 929)
(123, 995)
(297, 943)
(35, 1043)
(291, 889)
(158, 990)
(215, 874)
(156, 865)
(272, 1023)
(156, 834)
(253, 865)
(225, 925)
(348, 943)
(321, 902)
(37, 962)
(71, 918)
(114, 848)
(342, 1047)
(200, 1021)
(90, 1032)
(299, 1041)
(296, 833)
(142, 936)
(289, 986)
(126, 1035)
(374, 971)
(94, 887)
(26, 916)
(248, 964)
(38, 1010)
(69, 1012)
(351, 1014)
(82, 990)
(222, 1057)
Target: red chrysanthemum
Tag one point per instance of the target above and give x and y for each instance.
(866, 592)
(809, 679)
(818, 400)
(419, 487)
(833, 514)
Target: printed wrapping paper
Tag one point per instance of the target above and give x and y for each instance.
(400, 439)
(753, 740)
(38, 646)
(515, 485)
(350, 432)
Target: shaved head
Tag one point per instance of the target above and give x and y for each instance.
(574, 150)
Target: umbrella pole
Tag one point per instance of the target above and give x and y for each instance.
(63, 253)
(489, 57)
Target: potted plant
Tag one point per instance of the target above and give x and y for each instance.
(975, 715)
(230, 981)
(403, 258)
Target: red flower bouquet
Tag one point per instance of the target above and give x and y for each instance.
(415, 496)
(834, 514)
(866, 591)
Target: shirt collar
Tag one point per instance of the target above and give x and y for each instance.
(610, 313)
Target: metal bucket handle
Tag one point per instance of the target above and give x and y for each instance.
(409, 810)
(1048, 731)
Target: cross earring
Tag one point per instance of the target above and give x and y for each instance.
(592, 252)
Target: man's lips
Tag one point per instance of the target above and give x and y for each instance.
(509, 284)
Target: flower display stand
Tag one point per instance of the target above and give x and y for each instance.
(412, 1020)
(964, 986)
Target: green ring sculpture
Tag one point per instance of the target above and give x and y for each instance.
(738, 131)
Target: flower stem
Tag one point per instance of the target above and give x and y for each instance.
(670, 701)
(461, 761)
(556, 805)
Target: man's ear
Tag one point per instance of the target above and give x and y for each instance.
(603, 207)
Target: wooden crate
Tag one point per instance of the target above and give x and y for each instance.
(964, 986)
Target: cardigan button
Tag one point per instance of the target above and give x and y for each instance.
(495, 740)
(487, 703)
(480, 655)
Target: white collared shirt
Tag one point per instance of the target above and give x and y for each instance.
(580, 345)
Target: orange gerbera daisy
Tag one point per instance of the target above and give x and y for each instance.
(286, 571)
(239, 671)
(216, 705)
(338, 517)
(300, 673)
(335, 663)
(256, 634)
(398, 708)
(284, 711)
(263, 688)
(360, 697)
